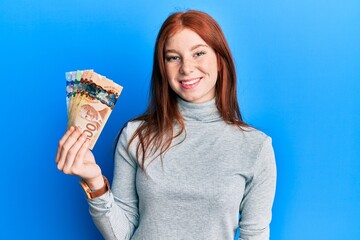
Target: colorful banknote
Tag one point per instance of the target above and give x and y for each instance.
(90, 99)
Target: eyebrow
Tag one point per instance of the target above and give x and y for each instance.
(191, 49)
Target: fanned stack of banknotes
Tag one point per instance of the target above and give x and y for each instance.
(90, 99)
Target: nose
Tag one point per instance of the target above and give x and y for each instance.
(187, 66)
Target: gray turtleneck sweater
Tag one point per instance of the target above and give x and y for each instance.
(216, 173)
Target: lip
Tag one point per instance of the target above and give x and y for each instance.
(190, 83)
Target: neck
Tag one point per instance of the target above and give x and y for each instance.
(199, 112)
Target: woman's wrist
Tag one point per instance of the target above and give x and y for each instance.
(95, 183)
(95, 192)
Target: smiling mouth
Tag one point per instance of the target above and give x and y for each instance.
(190, 83)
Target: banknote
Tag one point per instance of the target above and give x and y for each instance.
(92, 100)
(79, 88)
(70, 81)
(72, 89)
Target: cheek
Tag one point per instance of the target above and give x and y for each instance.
(170, 76)
(215, 64)
(215, 70)
(169, 71)
(212, 69)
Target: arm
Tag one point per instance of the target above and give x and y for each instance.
(255, 208)
(116, 213)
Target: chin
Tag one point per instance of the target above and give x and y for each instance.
(193, 99)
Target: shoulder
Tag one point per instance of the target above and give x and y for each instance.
(251, 144)
(250, 137)
(258, 140)
(125, 135)
(127, 131)
(253, 135)
(131, 126)
(261, 144)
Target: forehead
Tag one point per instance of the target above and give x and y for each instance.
(184, 38)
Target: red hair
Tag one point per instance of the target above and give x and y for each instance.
(156, 130)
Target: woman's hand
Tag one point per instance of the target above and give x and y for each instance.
(74, 157)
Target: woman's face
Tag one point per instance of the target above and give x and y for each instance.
(191, 66)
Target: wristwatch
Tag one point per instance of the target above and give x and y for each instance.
(90, 194)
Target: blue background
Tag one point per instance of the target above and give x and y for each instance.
(298, 64)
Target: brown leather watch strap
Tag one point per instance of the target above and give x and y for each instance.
(98, 192)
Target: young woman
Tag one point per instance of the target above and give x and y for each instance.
(189, 165)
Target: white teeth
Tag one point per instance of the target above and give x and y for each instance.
(190, 82)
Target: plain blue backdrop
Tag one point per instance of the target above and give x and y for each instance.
(298, 65)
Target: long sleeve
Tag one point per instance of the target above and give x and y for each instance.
(116, 213)
(216, 171)
(255, 209)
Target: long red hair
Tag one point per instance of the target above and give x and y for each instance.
(156, 130)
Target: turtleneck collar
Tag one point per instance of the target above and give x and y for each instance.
(199, 112)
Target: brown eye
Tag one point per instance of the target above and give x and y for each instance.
(198, 54)
(172, 58)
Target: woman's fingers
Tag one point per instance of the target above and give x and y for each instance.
(74, 157)
(66, 146)
(62, 141)
(73, 154)
(79, 159)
